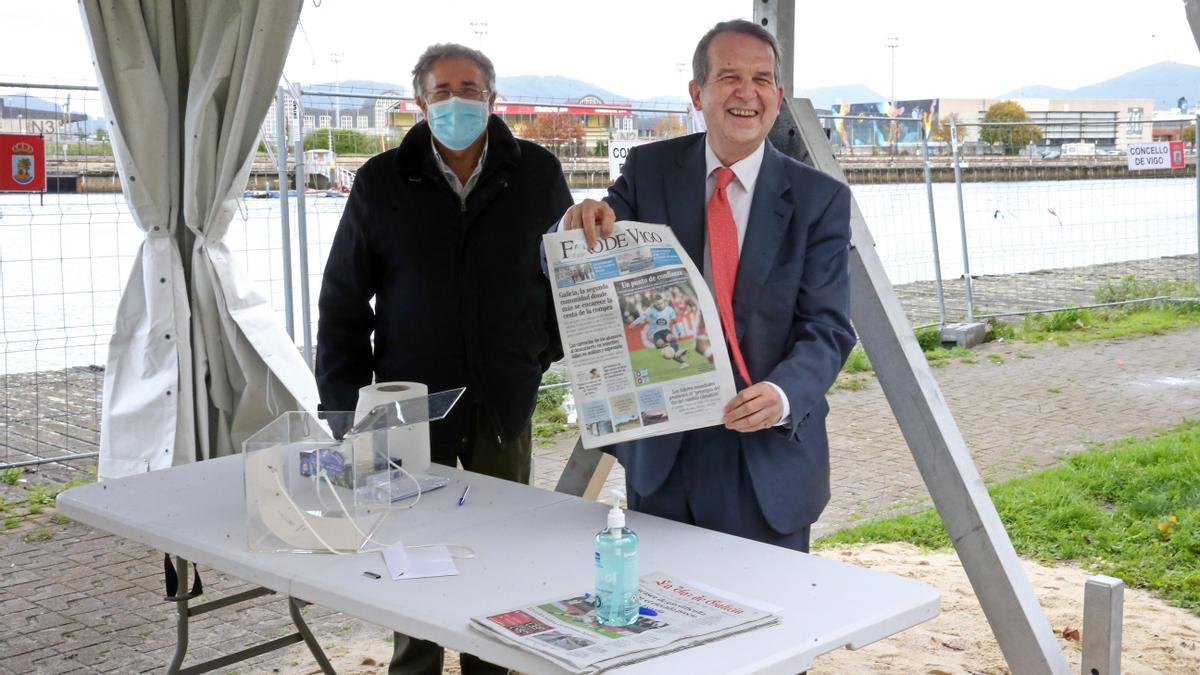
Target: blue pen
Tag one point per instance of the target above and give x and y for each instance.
(463, 499)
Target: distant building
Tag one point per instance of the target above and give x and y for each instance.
(600, 121)
(369, 116)
(1170, 125)
(1107, 123)
(57, 124)
(394, 113)
(289, 115)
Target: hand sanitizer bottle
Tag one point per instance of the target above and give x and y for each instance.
(617, 601)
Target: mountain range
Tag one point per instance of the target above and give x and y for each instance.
(1165, 82)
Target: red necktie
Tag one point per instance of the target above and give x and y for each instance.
(723, 249)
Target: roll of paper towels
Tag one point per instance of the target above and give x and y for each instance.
(408, 446)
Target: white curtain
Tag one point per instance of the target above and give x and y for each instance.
(1192, 7)
(197, 361)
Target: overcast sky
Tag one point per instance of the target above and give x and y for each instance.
(947, 48)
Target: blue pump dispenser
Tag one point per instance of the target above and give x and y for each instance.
(617, 571)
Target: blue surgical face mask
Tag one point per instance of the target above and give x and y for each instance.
(457, 122)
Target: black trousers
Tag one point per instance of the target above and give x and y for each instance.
(481, 453)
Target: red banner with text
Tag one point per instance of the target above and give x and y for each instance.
(22, 163)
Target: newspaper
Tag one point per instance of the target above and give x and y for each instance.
(641, 334)
(566, 631)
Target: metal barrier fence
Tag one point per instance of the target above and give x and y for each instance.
(1036, 229)
(63, 263)
(1012, 226)
(1046, 229)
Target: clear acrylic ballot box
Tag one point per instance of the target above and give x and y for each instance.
(324, 484)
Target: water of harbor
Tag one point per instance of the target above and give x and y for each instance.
(64, 258)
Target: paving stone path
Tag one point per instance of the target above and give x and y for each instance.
(79, 601)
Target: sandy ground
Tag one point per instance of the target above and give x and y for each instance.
(1157, 638)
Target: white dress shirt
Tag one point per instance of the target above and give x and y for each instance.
(740, 193)
(461, 189)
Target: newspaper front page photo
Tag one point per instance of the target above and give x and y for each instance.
(641, 334)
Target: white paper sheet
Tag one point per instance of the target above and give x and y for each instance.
(419, 563)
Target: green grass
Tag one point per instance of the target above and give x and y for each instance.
(549, 417)
(1082, 325)
(658, 369)
(54, 150)
(942, 356)
(1129, 509)
(549, 407)
(850, 383)
(11, 475)
(38, 499)
(930, 340)
(40, 534)
(546, 433)
(1131, 288)
(1065, 327)
(857, 362)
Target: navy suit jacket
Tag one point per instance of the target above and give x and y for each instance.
(791, 311)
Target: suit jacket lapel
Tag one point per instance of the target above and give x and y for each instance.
(684, 189)
(770, 210)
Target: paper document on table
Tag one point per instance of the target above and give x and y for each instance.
(676, 615)
(641, 334)
(419, 562)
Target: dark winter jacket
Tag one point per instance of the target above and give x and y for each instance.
(460, 298)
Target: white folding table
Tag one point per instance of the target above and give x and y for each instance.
(531, 545)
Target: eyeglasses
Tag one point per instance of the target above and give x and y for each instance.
(469, 93)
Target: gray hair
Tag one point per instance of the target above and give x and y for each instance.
(451, 50)
(700, 57)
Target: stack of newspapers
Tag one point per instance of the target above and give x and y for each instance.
(676, 615)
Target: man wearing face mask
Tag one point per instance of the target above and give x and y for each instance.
(443, 234)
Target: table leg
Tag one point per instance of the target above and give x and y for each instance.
(181, 597)
(309, 639)
(585, 472)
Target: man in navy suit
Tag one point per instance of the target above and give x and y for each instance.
(773, 236)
